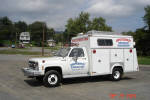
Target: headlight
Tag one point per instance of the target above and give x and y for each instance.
(36, 66)
(33, 65)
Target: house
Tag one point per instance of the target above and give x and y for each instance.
(51, 42)
(25, 37)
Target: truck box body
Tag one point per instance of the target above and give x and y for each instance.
(106, 50)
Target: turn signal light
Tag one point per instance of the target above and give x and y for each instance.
(94, 51)
(130, 50)
(42, 67)
(43, 61)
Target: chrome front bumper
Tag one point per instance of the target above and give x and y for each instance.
(30, 72)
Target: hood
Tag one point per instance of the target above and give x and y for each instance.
(45, 58)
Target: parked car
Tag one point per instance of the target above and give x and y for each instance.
(13, 46)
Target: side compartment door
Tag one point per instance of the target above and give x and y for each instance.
(101, 61)
(128, 60)
(78, 61)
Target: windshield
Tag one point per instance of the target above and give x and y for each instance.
(63, 52)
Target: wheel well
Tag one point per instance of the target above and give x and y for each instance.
(120, 67)
(57, 68)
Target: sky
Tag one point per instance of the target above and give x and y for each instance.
(121, 15)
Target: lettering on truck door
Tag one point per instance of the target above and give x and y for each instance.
(78, 61)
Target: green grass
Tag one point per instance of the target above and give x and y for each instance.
(144, 60)
(53, 48)
(14, 51)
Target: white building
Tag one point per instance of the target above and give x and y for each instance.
(51, 43)
(25, 37)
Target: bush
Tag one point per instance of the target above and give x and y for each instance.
(6, 43)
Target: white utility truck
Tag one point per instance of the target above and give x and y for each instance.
(94, 53)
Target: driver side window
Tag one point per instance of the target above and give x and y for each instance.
(77, 52)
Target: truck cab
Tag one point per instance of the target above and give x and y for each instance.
(67, 62)
(92, 55)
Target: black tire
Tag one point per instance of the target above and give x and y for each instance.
(39, 78)
(53, 81)
(116, 74)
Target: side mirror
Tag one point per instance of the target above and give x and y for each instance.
(75, 58)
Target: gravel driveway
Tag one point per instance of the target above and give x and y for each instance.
(15, 86)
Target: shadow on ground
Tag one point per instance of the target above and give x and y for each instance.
(35, 83)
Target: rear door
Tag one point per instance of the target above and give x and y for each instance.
(128, 60)
(100, 61)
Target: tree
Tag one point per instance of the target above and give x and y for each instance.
(142, 36)
(50, 33)
(7, 31)
(99, 24)
(36, 31)
(20, 26)
(142, 42)
(129, 33)
(58, 37)
(146, 17)
(71, 29)
(82, 23)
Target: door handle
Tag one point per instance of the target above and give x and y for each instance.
(84, 58)
(127, 59)
(99, 60)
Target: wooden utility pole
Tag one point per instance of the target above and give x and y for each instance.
(43, 40)
(16, 41)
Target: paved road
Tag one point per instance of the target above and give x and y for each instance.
(14, 86)
(33, 49)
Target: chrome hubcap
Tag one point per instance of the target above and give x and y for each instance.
(52, 79)
(116, 74)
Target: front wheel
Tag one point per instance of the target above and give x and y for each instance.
(52, 78)
(116, 74)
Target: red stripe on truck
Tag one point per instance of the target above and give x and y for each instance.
(123, 39)
(80, 39)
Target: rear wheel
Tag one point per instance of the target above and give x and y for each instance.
(116, 74)
(52, 78)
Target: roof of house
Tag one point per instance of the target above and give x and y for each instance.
(24, 34)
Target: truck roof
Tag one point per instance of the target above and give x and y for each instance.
(94, 33)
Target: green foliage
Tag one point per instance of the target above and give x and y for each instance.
(14, 51)
(144, 60)
(128, 33)
(146, 17)
(142, 35)
(142, 39)
(58, 37)
(6, 43)
(21, 26)
(36, 31)
(82, 23)
(50, 33)
(99, 24)
(6, 29)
